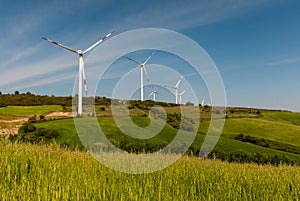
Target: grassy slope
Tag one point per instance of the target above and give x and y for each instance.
(277, 126)
(283, 117)
(68, 134)
(35, 172)
(270, 125)
(13, 112)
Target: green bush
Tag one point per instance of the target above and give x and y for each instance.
(29, 133)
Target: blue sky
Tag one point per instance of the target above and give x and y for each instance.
(254, 44)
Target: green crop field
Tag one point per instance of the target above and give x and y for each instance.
(48, 172)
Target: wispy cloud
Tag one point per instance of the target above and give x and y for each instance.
(174, 15)
(179, 15)
(44, 67)
(44, 81)
(287, 61)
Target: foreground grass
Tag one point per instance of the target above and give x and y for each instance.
(35, 172)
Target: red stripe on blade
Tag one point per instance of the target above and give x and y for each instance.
(56, 43)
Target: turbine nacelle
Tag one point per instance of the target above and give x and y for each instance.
(80, 52)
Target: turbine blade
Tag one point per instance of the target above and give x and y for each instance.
(60, 45)
(98, 42)
(148, 79)
(177, 84)
(172, 87)
(132, 60)
(148, 58)
(150, 94)
(182, 92)
(84, 79)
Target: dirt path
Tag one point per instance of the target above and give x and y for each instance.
(11, 127)
(59, 115)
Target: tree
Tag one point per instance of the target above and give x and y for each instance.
(17, 92)
(189, 104)
(2, 104)
(27, 128)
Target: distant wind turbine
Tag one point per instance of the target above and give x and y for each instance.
(153, 94)
(142, 69)
(81, 73)
(202, 102)
(180, 96)
(175, 87)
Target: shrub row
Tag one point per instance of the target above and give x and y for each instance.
(29, 133)
(268, 143)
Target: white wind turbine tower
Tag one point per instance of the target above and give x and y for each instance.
(81, 73)
(180, 96)
(202, 102)
(175, 87)
(142, 69)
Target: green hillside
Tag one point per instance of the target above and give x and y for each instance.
(69, 136)
(278, 126)
(15, 112)
(281, 129)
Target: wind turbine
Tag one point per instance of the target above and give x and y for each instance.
(175, 87)
(142, 69)
(202, 103)
(81, 73)
(180, 96)
(153, 94)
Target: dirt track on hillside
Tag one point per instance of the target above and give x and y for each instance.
(11, 127)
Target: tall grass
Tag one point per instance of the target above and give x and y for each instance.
(48, 172)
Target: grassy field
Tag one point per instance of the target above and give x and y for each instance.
(69, 136)
(15, 112)
(283, 117)
(262, 128)
(43, 172)
(49, 172)
(278, 126)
